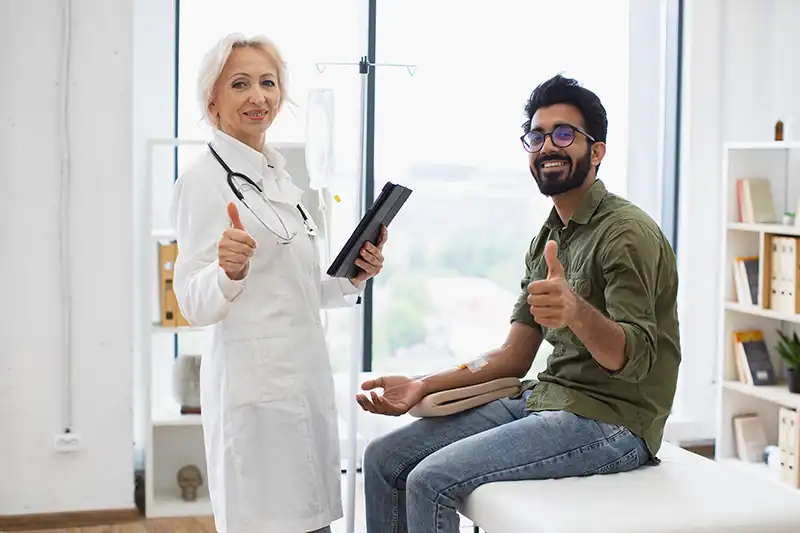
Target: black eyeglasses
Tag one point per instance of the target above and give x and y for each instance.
(562, 136)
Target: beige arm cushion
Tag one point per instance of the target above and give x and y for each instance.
(448, 402)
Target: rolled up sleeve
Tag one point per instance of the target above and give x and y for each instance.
(630, 267)
(522, 311)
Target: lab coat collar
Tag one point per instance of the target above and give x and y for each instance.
(267, 168)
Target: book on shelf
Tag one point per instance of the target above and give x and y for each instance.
(750, 437)
(745, 276)
(754, 196)
(751, 358)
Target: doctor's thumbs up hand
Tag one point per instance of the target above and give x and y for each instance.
(552, 302)
(235, 247)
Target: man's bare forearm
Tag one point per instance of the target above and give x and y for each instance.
(604, 338)
(513, 359)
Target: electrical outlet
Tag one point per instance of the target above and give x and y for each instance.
(67, 442)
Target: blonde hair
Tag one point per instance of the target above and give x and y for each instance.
(215, 59)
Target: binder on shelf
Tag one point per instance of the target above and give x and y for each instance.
(171, 316)
(788, 428)
(381, 213)
(782, 273)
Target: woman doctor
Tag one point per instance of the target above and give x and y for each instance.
(248, 266)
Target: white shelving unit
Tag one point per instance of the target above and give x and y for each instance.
(171, 440)
(780, 162)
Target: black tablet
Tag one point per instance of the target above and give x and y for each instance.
(381, 213)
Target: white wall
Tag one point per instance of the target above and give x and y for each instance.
(741, 74)
(35, 479)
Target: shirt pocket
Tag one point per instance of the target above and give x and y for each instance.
(258, 371)
(580, 285)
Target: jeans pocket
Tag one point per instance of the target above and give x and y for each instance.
(609, 430)
(629, 461)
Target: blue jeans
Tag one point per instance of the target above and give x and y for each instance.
(417, 477)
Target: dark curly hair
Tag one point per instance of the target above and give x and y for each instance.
(563, 90)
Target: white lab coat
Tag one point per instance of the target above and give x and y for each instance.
(267, 396)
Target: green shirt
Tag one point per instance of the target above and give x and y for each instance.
(617, 259)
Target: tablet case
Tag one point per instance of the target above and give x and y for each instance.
(448, 402)
(382, 211)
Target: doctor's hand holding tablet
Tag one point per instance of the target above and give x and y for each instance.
(371, 259)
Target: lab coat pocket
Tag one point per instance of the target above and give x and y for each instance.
(258, 371)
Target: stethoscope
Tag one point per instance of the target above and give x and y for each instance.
(284, 238)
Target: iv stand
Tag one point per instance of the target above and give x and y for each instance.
(355, 362)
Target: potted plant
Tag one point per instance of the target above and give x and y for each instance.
(789, 350)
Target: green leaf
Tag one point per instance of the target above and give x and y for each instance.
(789, 349)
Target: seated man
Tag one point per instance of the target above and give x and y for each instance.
(600, 286)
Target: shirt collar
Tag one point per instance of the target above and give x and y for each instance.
(268, 159)
(587, 207)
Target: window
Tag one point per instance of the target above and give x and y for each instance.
(451, 133)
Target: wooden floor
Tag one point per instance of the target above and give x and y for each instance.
(166, 525)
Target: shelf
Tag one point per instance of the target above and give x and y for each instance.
(173, 506)
(181, 329)
(163, 234)
(758, 311)
(763, 145)
(778, 229)
(777, 394)
(170, 415)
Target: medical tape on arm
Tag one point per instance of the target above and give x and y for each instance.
(476, 365)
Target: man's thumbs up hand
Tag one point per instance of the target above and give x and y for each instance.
(554, 268)
(552, 302)
(235, 247)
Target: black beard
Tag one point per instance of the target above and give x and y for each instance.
(555, 186)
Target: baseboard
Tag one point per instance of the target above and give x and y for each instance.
(29, 522)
